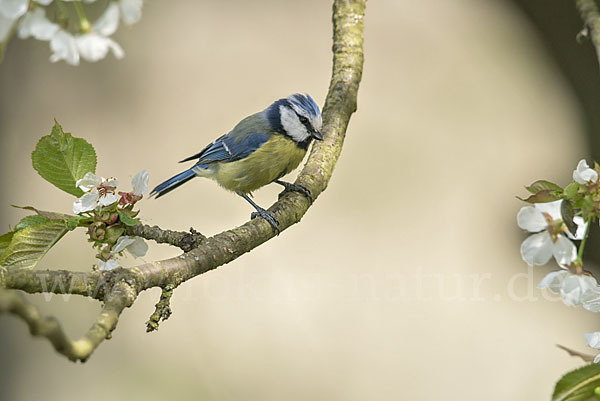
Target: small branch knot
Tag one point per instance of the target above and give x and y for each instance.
(191, 240)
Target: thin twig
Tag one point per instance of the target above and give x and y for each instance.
(588, 9)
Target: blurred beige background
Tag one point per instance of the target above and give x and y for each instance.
(404, 281)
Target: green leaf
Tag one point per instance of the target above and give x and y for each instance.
(567, 214)
(113, 233)
(73, 222)
(62, 160)
(578, 385)
(571, 190)
(30, 244)
(29, 221)
(4, 241)
(542, 185)
(43, 213)
(127, 219)
(543, 196)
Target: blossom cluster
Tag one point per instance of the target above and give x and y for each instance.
(556, 219)
(105, 212)
(91, 42)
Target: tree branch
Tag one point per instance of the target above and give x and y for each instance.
(185, 241)
(590, 15)
(121, 297)
(119, 288)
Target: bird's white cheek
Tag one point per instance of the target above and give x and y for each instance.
(292, 125)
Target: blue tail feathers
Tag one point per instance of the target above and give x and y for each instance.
(172, 183)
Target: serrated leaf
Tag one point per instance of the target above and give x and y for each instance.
(578, 385)
(30, 244)
(127, 219)
(29, 221)
(543, 196)
(62, 159)
(566, 211)
(46, 214)
(4, 241)
(541, 185)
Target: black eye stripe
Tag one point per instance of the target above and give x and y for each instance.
(305, 122)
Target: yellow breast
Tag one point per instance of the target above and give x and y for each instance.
(276, 158)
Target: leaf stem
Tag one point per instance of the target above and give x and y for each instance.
(582, 245)
(84, 23)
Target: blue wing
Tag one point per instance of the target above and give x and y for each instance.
(229, 148)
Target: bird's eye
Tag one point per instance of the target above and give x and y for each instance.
(303, 119)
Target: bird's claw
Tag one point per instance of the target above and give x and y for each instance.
(268, 217)
(295, 188)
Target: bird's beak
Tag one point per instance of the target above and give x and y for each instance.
(317, 135)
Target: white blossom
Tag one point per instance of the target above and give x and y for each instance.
(64, 47)
(593, 341)
(140, 183)
(134, 245)
(37, 25)
(13, 9)
(92, 197)
(543, 219)
(93, 47)
(591, 299)
(108, 22)
(583, 174)
(131, 10)
(573, 288)
(110, 264)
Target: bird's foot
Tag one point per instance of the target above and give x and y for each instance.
(260, 212)
(288, 187)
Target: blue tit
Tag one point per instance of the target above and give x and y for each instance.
(259, 150)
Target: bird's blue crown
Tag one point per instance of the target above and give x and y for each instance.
(297, 100)
(305, 102)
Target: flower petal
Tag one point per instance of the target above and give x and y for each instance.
(110, 264)
(64, 47)
(138, 248)
(592, 339)
(36, 24)
(553, 280)
(91, 46)
(86, 203)
(88, 182)
(108, 199)
(591, 299)
(131, 10)
(13, 9)
(123, 242)
(108, 22)
(564, 251)
(581, 227)
(552, 208)
(537, 249)
(6, 25)
(140, 183)
(584, 174)
(574, 286)
(110, 182)
(531, 219)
